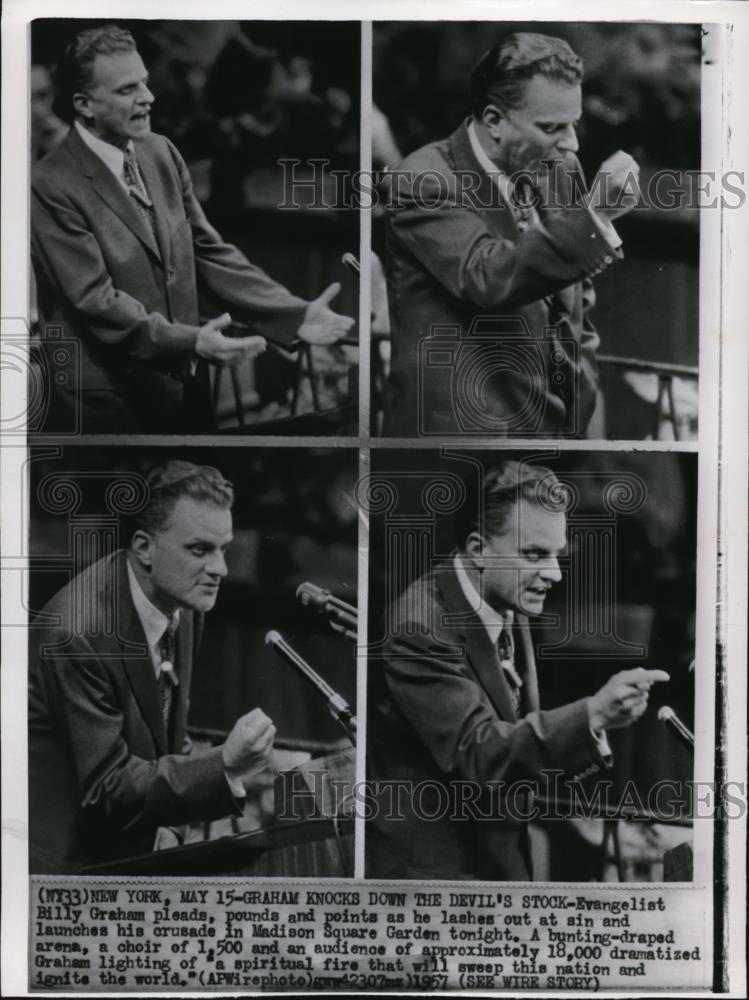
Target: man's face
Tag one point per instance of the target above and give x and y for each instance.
(117, 103)
(542, 128)
(521, 564)
(187, 556)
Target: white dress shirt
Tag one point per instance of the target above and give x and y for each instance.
(493, 621)
(111, 156)
(154, 622)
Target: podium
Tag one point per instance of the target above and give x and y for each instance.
(312, 835)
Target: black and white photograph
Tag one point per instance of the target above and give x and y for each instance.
(531, 638)
(190, 662)
(536, 242)
(374, 456)
(180, 284)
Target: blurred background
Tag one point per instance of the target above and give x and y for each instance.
(641, 93)
(627, 599)
(294, 520)
(237, 97)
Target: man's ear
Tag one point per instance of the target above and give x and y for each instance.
(141, 545)
(493, 120)
(474, 549)
(82, 106)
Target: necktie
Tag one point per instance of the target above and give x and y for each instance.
(506, 662)
(137, 191)
(522, 204)
(168, 680)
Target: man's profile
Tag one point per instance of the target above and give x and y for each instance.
(109, 687)
(454, 717)
(492, 241)
(124, 257)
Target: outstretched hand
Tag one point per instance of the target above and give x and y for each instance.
(321, 325)
(623, 698)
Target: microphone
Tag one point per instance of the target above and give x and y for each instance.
(337, 705)
(342, 617)
(351, 262)
(669, 718)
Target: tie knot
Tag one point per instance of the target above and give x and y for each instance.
(524, 193)
(167, 651)
(130, 164)
(166, 642)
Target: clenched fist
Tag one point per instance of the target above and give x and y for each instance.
(616, 188)
(248, 746)
(623, 698)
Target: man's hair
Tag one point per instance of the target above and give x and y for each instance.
(501, 76)
(169, 483)
(74, 71)
(493, 493)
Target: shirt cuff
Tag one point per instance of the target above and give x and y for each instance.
(606, 229)
(235, 786)
(602, 744)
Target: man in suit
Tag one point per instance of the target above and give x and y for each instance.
(492, 240)
(124, 259)
(455, 731)
(109, 685)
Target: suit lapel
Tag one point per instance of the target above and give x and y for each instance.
(526, 662)
(138, 668)
(111, 192)
(496, 212)
(480, 653)
(185, 645)
(158, 196)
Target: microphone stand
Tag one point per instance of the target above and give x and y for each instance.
(337, 704)
(342, 617)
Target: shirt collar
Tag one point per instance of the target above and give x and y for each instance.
(498, 176)
(154, 622)
(493, 621)
(110, 155)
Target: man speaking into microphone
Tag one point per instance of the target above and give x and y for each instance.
(454, 712)
(111, 661)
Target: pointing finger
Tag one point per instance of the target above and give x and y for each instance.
(654, 676)
(329, 294)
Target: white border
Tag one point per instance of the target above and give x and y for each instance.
(725, 247)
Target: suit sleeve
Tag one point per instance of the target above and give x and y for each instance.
(439, 222)
(131, 793)
(454, 719)
(67, 254)
(231, 280)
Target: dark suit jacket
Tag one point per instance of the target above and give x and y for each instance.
(457, 261)
(131, 303)
(440, 719)
(103, 772)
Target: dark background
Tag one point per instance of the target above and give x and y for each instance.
(294, 520)
(641, 93)
(653, 560)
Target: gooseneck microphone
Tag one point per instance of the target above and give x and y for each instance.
(669, 718)
(337, 704)
(341, 616)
